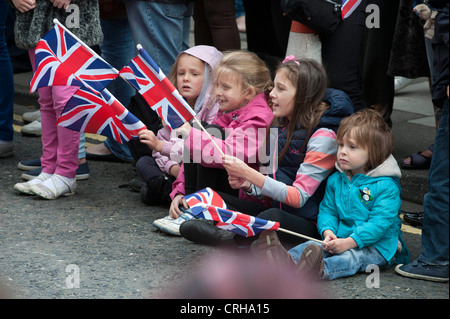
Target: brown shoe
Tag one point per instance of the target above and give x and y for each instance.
(270, 246)
(311, 261)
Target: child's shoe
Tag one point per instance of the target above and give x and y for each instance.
(25, 187)
(55, 187)
(271, 248)
(311, 261)
(171, 226)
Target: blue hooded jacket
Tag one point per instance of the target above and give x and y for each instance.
(366, 208)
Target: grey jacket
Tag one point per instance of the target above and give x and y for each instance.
(84, 22)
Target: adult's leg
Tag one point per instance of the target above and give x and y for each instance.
(6, 81)
(160, 28)
(340, 56)
(215, 24)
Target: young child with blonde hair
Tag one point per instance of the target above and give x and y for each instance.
(192, 75)
(359, 215)
(241, 81)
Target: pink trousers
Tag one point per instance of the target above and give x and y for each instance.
(59, 144)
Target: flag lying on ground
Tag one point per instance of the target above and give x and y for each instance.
(242, 224)
(348, 6)
(143, 73)
(62, 60)
(100, 114)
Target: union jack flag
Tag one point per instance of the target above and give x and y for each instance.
(199, 201)
(239, 223)
(99, 114)
(348, 6)
(62, 60)
(209, 205)
(143, 73)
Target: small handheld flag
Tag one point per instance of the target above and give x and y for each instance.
(99, 114)
(62, 59)
(145, 75)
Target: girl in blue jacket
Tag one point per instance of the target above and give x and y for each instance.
(359, 215)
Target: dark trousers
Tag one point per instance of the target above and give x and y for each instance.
(340, 55)
(215, 24)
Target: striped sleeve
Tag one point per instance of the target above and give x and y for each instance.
(317, 165)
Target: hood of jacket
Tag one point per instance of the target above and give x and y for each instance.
(388, 168)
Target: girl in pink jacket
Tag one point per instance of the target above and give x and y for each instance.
(240, 125)
(192, 75)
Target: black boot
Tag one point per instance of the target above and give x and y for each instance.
(157, 190)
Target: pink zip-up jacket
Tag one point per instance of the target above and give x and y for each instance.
(245, 132)
(172, 152)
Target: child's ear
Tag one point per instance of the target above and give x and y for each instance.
(249, 93)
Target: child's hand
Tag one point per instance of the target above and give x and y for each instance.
(184, 130)
(24, 5)
(60, 4)
(328, 235)
(339, 245)
(237, 182)
(174, 210)
(148, 138)
(233, 165)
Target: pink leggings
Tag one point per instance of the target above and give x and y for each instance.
(59, 144)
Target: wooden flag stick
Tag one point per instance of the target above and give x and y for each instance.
(209, 136)
(300, 235)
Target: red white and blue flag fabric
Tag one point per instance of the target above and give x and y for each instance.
(62, 60)
(348, 6)
(99, 114)
(199, 201)
(209, 205)
(241, 224)
(143, 73)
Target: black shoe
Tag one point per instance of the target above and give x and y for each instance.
(202, 231)
(150, 198)
(413, 218)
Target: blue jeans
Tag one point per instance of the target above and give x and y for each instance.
(435, 204)
(118, 49)
(162, 29)
(346, 264)
(6, 80)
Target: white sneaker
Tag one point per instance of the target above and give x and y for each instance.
(33, 129)
(55, 187)
(400, 83)
(25, 187)
(172, 226)
(29, 117)
(158, 223)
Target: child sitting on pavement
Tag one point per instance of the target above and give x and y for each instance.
(359, 215)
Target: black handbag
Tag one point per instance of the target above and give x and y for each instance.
(320, 15)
